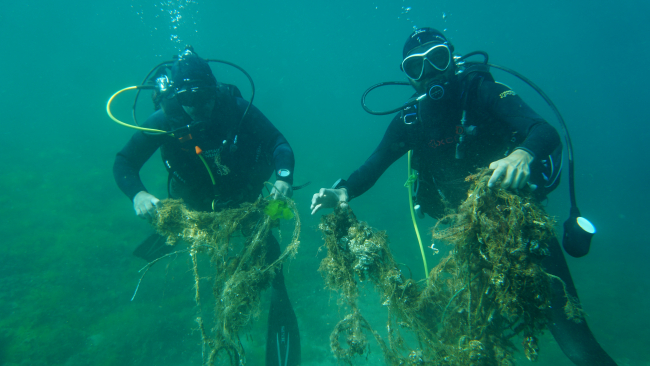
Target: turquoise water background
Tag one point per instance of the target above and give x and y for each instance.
(66, 269)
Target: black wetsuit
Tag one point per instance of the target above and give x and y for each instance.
(260, 149)
(497, 123)
(239, 169)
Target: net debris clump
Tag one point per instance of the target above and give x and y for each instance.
(235, 242)
(356, 252)
(489, 289)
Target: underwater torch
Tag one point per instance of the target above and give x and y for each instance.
(577, 234)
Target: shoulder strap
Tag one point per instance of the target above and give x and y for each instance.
(471, 80)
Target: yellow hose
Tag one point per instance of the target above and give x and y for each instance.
(108, 110)
(415, 224)
(209, 172)
(208, 168)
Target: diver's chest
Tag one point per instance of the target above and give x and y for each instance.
(441, 138)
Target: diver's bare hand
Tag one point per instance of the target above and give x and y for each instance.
(514, 169)
(145, 204)
(281, 189)
(329, 198)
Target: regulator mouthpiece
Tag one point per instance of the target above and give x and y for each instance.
(577, 234)
(436, 92)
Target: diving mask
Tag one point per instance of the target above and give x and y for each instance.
(438, 56)
(194, 95)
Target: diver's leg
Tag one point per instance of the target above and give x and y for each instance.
(283, 339)
(575, 339)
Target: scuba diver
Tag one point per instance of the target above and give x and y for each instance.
(221, 152)
(459, 120)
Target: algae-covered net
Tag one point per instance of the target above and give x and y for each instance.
(490, 289)
(235, 241)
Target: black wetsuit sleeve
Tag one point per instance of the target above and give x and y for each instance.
(284, 160)
(137, 151)
(273, 142)
(393, 145)
(533, 134)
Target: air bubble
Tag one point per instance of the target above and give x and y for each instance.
(174, 15)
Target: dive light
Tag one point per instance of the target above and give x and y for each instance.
(577, 234)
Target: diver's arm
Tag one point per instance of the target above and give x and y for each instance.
(126, 172)
(392, 147)
(533, 135)
(276, 145)
(284, 162)
(129, 161)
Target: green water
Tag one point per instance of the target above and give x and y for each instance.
(66, 270)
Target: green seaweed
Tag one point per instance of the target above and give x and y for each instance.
(278, 209)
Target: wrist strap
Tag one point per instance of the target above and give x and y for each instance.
(341, 183)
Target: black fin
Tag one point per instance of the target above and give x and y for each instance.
(283, 339)
(152, 248)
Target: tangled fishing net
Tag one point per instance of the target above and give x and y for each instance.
(239, 276)
(488, 290)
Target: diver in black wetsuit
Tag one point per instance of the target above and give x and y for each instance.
(240, 155)
(469, 121)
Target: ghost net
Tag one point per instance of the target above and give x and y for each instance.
(490, 288)
(239, 277)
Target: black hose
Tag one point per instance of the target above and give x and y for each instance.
(137, 94)
(295, 188)
(250, 79)
(575, 212)
(482, 53)
(559, 118)
(363, 98)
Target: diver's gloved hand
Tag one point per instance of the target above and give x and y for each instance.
(514, 169)
(329, 198)
(145, 204)
(281, 189)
